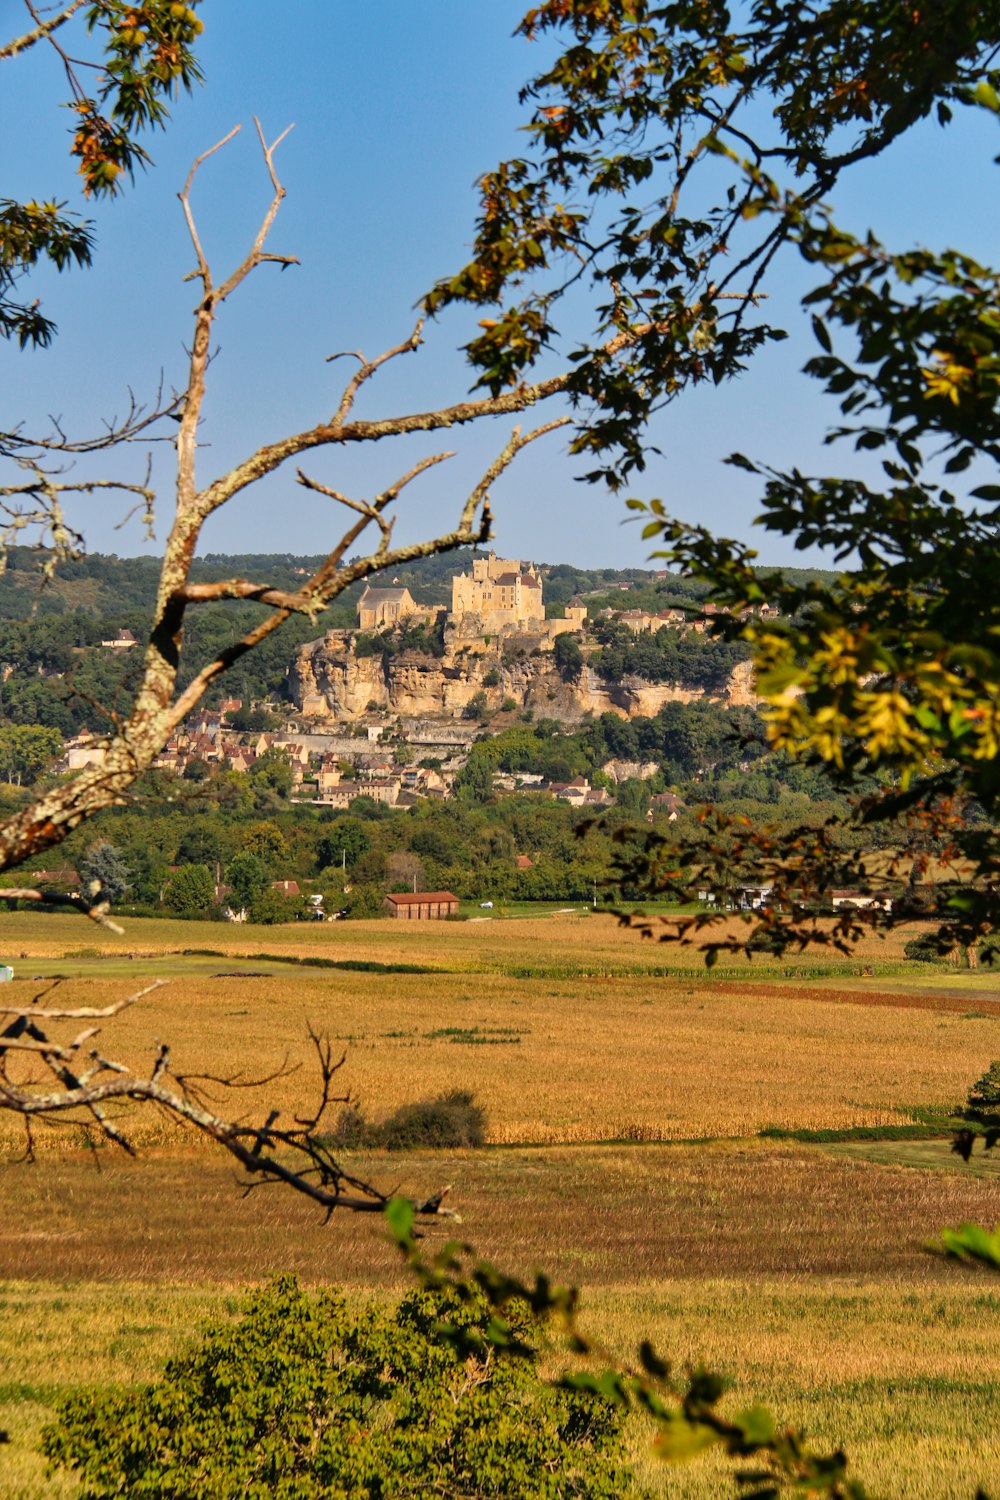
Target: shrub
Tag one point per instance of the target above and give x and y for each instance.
(923, 949)
(983, 1103)
(299, 1399)
(451, 1120)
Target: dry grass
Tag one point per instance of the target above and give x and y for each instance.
(799, 1273)
(591, 1058)
(583, 940)
(905, 1378)
(593, 1215)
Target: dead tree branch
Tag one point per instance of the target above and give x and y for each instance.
(40, 32)
(83, 1082)
(159, 706)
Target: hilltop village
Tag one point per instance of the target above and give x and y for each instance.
(389, 709)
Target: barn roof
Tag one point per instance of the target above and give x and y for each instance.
(414, 898)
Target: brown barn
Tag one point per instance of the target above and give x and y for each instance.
(420, 905)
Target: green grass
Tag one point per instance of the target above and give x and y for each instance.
(909, 1151)
(854, 1133)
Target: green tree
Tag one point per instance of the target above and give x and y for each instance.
(343, 844)
(568, 656)
(198, 846)
(191, 891)
(248, 876)
(268, 843)
(474, 782)
(106, 865)
(270, 907)
(26, 750)
(300, 1398)
(271, 770)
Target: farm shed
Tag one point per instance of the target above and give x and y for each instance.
(421, 905)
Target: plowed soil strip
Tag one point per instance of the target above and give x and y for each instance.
(886, 999)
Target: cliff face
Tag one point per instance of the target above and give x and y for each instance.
(327, 681)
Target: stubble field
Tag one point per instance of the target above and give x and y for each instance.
(603, 1063)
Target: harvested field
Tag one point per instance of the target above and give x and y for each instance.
(799, 1270)
(593, 1215)
(584, 941)
(800, 1274)
(556, 1060)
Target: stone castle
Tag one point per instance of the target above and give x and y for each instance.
(501, 596)
(501, 592)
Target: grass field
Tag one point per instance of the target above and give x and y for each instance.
(625, 1088)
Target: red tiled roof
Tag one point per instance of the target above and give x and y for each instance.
(411, 898)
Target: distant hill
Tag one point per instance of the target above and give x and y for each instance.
(121, 588)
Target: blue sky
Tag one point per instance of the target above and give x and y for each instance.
(397, 108)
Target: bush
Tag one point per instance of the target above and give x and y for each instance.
(449, 1121)
(983, 1103)
(300, 1399)
(924, 949)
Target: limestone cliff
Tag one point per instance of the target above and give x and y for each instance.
(326, 681)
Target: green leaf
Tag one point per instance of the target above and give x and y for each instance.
(400, 1214)
(985, 94)
(757, 1426)
(679, 1440)
(822, 334)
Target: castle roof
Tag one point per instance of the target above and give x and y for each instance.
(383, 596)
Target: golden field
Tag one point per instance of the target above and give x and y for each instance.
(608, 1053)
(624, 1088)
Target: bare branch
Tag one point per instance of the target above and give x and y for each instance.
(369, 367)
(185, 199)
(305, 1163)
(97, 912)
(133, 427)
(82, 1012)
(40, 32)
(256, 255)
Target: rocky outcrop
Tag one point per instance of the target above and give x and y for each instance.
(327, 681)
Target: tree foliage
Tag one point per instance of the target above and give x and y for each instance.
(191, 891)
(105, 865)
(888, 677)
(299, 1398)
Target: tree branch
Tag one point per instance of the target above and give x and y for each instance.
(305, 1163)
(40, 32)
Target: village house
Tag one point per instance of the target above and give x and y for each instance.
(85, 750)
(579, 793)
(666, 802)
(123, 641)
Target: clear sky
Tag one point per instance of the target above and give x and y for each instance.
(397, 108)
